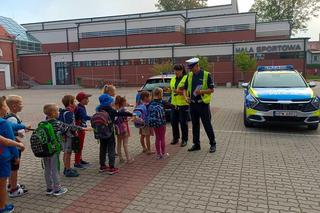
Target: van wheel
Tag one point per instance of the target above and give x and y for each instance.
(313, 126)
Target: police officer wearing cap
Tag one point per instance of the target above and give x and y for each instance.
(198, 90)
(179, 113)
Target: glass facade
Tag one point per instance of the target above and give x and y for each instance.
(25, 42)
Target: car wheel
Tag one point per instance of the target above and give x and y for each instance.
(313, 126)
(246, 122)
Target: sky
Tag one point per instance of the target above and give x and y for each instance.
(30, 11)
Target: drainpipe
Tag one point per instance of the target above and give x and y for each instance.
(119, 66)
(233, 69)
(14, 60)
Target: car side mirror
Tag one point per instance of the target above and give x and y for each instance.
(245, 85)
(312, 84)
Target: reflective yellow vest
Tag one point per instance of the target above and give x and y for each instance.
(176, 99)
(206, 98)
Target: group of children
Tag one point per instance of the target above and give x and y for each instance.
(69, 125)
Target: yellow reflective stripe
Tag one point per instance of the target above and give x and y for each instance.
(177, 100)
(253, 92)
(172, 84)
(250, 111)
(316, 113)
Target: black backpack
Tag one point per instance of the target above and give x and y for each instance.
(102, 125)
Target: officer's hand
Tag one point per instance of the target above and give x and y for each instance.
(188, 100)
(197, 92)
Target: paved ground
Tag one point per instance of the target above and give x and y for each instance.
(272, 169)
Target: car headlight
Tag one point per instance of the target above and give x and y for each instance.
(251, 101)
(316, 102)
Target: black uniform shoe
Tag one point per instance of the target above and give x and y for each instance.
(183, 143)
(174, 141)
(194, 148)
(212, 149)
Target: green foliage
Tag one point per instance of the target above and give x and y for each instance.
(165, 67)
(244, 62)
(313, 78)
(204, 63)
(313, 66)
(78, 80)
(168, 5)
(297, 12)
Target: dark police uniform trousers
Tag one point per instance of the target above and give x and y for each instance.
(180, 115)
(201, 111)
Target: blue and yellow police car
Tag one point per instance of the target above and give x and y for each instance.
(280, 94)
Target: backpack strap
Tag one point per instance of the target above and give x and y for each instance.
(10, 115)
(54, 136)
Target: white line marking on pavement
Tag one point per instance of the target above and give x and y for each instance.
(268, 133)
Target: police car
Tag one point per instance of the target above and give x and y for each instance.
(279, 94)
(162, 81)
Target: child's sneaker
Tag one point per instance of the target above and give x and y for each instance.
(79, 166)
(49, 192)
(18, 192)
(18, 185)
(84, 162)
(103, 169)
(71, 173)
(159, 157)
(60, 192)
(7, 209)
(130, 160)
(165, 156)
(112, 171)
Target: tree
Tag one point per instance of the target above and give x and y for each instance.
(204, 63)
(297, 12)
(168, 5)
(245, 63)
(165, 67)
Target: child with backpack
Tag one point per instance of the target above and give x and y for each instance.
(156, 119)
(145, 131)
(122, 129)
(81, 119)
(5, 143)
(14, 102)
(56, 129)
(7, 154)
(103, 125)
(71, 139)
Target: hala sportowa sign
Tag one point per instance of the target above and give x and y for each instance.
(270, 48)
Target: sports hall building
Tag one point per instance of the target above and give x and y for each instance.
(123, 49)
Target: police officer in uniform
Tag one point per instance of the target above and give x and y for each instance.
(179, 113)
(198, 90)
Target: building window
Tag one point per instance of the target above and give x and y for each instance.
(214, 29)
(135, 31)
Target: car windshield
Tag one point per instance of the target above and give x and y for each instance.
(157, 82)
(278, 80)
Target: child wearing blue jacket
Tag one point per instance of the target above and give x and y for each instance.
(6, 154)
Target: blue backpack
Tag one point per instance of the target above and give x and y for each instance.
(141, 112)
(156, 115)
